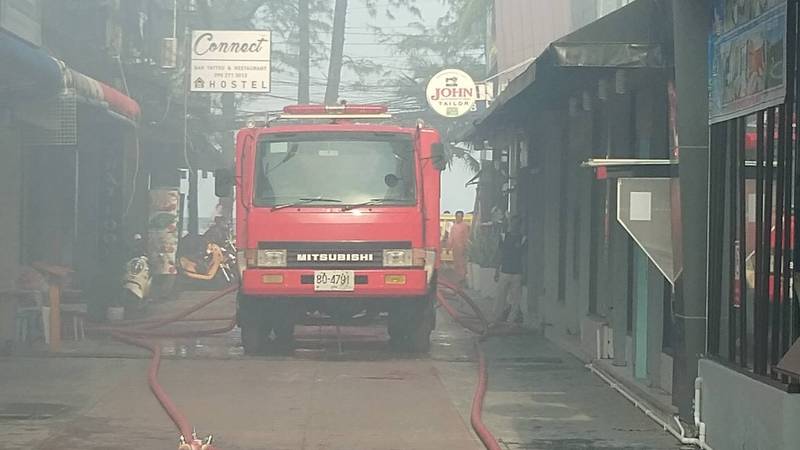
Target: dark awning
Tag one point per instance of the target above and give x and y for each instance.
(606, 54)
(30, 71)
(636, 36)
(26, 69)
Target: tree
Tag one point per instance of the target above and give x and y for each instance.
(304, 53)
(300, 30)
(337, 52)
(337, 60)
(457, 40)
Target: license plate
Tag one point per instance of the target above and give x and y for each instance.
(334, 280)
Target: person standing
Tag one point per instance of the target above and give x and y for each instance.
(457, 241)
(508, 275)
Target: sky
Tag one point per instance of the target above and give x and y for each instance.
(360, 42)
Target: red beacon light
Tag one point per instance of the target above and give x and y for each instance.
(327, 112)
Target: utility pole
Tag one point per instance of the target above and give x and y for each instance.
(691, 21)
(337, 53)
(304, 57)
(229, 120)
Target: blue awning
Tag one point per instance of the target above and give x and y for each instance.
(25, 69)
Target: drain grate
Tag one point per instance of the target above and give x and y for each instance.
(31, 411)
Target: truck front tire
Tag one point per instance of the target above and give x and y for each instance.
(251, 318)
(280, 321)
(410, 325)
(260, 318)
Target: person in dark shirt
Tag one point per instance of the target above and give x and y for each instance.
(512, 251)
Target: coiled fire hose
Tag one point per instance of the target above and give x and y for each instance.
(142, 333)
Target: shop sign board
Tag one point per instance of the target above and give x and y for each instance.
(231, 61)
(747, 54)
(451, 93)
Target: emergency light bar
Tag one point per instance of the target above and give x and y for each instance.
(328, 112)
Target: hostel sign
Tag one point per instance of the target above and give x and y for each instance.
(451, 93)
(230, 61)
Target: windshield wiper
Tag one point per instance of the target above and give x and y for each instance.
(305, 201)
(374, 201)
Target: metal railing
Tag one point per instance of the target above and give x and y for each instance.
(754, 253)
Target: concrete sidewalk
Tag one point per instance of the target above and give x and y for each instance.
(540, 396)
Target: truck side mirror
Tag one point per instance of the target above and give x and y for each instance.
(223, 182)
(438, 156)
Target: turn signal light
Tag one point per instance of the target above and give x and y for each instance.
(272, 278)
(394, 279)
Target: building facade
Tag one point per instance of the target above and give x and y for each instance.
(92, 116)
(662, 249)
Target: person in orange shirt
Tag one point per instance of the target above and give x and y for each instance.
(457, 241)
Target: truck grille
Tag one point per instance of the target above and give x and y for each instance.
(322, 255)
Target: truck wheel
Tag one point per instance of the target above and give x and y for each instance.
(250, 317)
(410, 326)
(419, 339)
(281, 319)
(253, 338)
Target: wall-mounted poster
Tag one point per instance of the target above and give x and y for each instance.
(163, 230)
(747, 50)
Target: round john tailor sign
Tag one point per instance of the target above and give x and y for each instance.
(451, 93)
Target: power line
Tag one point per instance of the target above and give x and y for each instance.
(388, 27)
(347, 43)
(375, 32)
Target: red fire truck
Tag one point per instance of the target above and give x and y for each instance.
(337, 221)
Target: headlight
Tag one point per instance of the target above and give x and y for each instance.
(271, 258)
(398, 257)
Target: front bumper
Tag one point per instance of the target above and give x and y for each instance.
(368, 284)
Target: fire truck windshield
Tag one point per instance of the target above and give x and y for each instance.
(335, 168)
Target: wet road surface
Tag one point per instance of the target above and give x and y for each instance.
(342, 391)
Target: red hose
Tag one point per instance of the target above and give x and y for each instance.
(486, 436)
(483, 332)
(157, 323)
(131, 334)
(463, 321)
(180, 421)
(179, 334)
(460, 292)
(152, 380)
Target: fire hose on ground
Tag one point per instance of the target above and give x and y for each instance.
(479, 325)
(143, 332)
